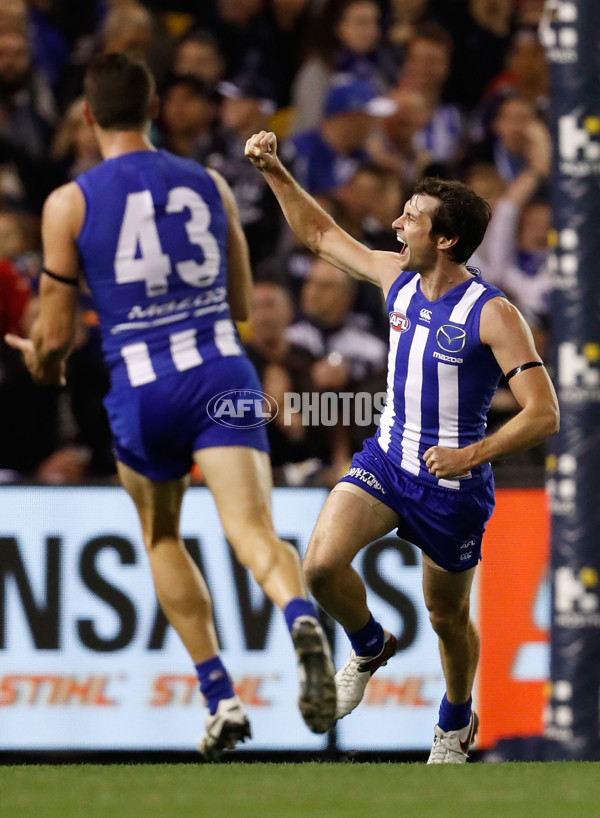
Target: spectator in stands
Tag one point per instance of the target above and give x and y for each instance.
(344, 354)
(187, 116)
(49, 46)
(526, 73)
(346, 41)
(29, 412)
(127, 26)
(402, 20)
(370, 202)
(529, 12)
(247, 105)
(133, 28)
(283, 367)
(426, 69)
(13, 15)
(327, 157)
(487, 183)
(15, 291)
(27, 117)
(481, 32)
(518, 237)
(394, 145)
(74, 146)
(347, 359)
(289, 21)
(508, 141)
(243, 33)
(12, 235)
(27, 108)
(198, 54)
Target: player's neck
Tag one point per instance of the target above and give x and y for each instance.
(442, 278)
(118, 143)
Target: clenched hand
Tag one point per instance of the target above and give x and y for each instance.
(261, 150)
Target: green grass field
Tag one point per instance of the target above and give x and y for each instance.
(309, 790)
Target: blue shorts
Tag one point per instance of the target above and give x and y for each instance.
(447, 525)
(158, 426)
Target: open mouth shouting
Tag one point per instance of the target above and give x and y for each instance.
(404, 251)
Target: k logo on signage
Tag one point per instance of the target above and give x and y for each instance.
(451, 338)
(579, 143)
(563, 263)
(558, 31)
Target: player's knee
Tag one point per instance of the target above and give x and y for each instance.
(448, 621)
(318, 574)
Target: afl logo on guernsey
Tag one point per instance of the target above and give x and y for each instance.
(399, 322)
(451, 338)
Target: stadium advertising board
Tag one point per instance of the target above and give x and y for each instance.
(571, 35)
(514, 617)
(87, 660)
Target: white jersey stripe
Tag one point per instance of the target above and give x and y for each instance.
(225, 339)
(448, 412)
(389, 416)
(138, 363)
(184, 350)
(461, 311)
(413, 387)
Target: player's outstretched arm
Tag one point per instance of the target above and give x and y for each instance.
(239, 272)
(53, 331)
(503, 328)
(313, 225)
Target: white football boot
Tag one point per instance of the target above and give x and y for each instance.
(453, 747)
(352, 678)
(228, 726)
(316, 670)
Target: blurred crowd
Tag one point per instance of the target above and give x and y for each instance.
(365, 97)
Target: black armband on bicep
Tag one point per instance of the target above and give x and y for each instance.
(72, 282)
(521, 368)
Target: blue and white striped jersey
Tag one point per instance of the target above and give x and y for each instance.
(441, 378)
(153, 248)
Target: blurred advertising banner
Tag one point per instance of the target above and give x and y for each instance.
(87, 661)
(514, 614)
(571, 34)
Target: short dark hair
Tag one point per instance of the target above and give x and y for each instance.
(461, 214)
(119, 89)
(196, 86)
(433, 33)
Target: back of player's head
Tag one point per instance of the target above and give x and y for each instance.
(461, 214)
(119, 90)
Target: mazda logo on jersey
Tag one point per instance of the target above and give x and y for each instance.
(399, 322)
(451, 338)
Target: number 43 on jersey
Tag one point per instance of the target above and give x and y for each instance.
(151, 264)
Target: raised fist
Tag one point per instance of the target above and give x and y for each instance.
(261, 150)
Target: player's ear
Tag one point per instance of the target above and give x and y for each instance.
(444, 243)
(87, 113)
